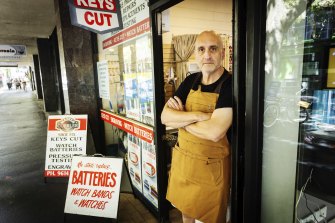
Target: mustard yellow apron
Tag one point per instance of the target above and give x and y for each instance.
(199, 179)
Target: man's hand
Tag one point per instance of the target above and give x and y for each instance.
(175, 115)
(215, 128)
(175, 103)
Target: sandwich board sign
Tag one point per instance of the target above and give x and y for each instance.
(94, 186)
(67, 136)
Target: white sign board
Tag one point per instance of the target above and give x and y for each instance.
(67, 136)
(94, 186)
(12, 51)
(103, 79)
(135, 18)
(133, 12)
(97, 16)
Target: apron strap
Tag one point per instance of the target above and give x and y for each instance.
(218, 87)
(198, 77)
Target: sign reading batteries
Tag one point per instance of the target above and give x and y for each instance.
(67, 136)
(99, 16)
(94, 186)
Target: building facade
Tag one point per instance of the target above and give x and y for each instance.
(281, 55)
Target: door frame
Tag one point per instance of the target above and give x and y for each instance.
(156, 7)
(238, 126)
(241, 64)
(254, 107)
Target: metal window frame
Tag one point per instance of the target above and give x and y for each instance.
(156, 7)
(254, 106)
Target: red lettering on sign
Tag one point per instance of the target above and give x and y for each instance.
(108, 5)
(57, 173)
(93, 204)
(108, 19)
(129, 33)
(139, 131)
(94, 178)
(91, 21)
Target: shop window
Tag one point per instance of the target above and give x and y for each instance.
(299, 113)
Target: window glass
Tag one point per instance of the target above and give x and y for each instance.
(298, 182)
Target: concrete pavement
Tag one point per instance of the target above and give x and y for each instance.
(24, 195)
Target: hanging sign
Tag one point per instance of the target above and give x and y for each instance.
(99, 16)
(12, 51)
(67, 135)
(94, 186)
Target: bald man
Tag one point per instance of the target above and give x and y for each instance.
(201, 109)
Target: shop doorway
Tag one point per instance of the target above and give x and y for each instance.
(175, 26)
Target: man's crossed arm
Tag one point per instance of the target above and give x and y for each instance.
(211, 126)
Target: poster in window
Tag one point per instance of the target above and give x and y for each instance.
(149, 173)
(130, 83)
(134, 161)
(144, 77)
(103, 79)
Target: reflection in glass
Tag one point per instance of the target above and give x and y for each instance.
(298, 182)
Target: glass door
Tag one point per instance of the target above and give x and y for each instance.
(298, 167)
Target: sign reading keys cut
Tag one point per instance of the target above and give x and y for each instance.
(67, 136)
(99, 16)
